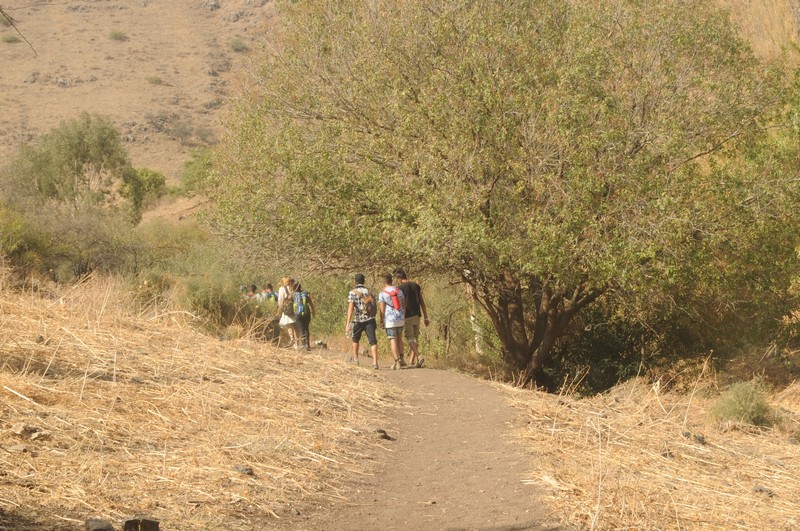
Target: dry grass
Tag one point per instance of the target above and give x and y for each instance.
(125, 414)
(638, 458)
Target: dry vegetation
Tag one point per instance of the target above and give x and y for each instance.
(107, 414)
(640, 458)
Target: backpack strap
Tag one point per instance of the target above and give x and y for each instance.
(395, 298)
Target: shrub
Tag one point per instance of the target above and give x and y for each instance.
(238, 45)
(745, 402)
(143, 188)
(117, 36)
(80, 162)
(196, 171)
(154, 80)
(67, 212)
(11, 39)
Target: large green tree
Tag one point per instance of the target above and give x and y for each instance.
(545, 152)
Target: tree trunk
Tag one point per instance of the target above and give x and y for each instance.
(528, 335)
(477, 333)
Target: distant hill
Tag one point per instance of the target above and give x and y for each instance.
(163, 70)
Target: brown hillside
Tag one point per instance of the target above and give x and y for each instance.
(162, 70)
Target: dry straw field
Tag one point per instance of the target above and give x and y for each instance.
(641, 458)
(108, 414)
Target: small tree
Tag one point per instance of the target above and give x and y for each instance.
(547, 153)
(80, 163)
(77, 197)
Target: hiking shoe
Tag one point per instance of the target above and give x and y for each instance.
(394, 366)
(402, 362)
(420, 362)
(375, 366)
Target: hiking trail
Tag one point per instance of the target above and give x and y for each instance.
(452, 465)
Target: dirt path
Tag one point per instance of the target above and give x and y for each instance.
(453, 465)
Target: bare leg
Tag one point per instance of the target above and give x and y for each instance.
(373, 349)
(414, 353)
(355, 352)
(397, 351)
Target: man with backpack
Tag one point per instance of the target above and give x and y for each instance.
(304, 310)
(415, 310)
(361, 310)
(392, 312)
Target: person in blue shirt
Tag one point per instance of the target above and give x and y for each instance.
(392, 310)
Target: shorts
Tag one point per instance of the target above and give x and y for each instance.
(366, 326)
(411, 329)
(394, 332)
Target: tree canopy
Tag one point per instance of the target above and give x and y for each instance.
(547, 153)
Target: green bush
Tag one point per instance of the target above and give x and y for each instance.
(238, 45)
(117, 36)
(67, 212)
(196, 171)
(11, 39)
(80, 162)
(143, 188)
(745, 402)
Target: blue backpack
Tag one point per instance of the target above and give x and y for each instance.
(301, 303)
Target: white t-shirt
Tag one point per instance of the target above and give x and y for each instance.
(392, 317)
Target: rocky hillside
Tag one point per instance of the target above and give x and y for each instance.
(163, 70)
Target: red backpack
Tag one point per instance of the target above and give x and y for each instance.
(395, 298)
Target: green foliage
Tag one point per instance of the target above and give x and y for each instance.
(546, 153)
(196, 171)
(118, 36)
(81, 163)
(237, 45)
(71, 201)
(745, 402)
(142, 189)
(10, 38)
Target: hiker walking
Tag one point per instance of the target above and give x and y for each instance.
(392, 313)
(415, 311)
(361, 310)
(267, 294)
(286, 305)
(304, 310)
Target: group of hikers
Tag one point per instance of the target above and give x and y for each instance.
(399, 309)
(252, 294)
(295, 305)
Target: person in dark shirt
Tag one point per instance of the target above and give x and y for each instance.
(416, 310)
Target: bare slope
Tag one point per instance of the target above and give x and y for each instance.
(161, 69)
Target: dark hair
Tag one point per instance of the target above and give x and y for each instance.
(253, 288)
(387, 278)
(268, 286)
(399, 273)
(359, 278)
